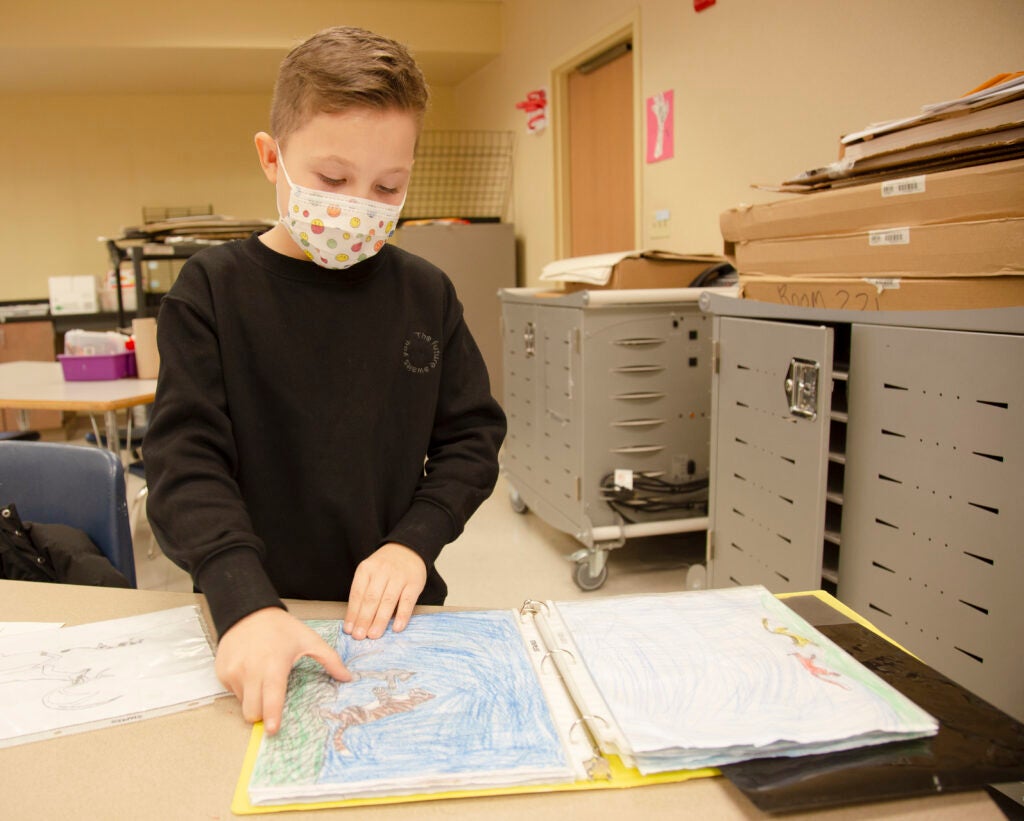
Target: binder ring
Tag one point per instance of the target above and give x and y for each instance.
(583, 720)
(550, 653)
(532, 607)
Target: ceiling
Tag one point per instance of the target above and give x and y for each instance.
(67, 47)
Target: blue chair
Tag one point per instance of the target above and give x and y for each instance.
(57, 483)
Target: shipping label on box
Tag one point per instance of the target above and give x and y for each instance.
(982, 192)
(73, 295)
(983, 248)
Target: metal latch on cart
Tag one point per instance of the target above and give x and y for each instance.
(530, 339)
(802, 388)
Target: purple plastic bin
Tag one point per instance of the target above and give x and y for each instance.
(95, 368)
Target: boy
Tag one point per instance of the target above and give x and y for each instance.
(323, 423)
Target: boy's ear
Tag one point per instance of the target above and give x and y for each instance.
(266, 147)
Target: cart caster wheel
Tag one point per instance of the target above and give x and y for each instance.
(518, 505)
(583, 578)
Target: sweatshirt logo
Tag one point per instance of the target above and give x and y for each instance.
(420, 353)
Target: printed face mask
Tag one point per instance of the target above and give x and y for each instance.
(335, 230)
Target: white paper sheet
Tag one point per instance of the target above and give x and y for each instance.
(54, 682)
(14, 628)
(704, 678)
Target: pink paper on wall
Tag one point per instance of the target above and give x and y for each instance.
(660, 133)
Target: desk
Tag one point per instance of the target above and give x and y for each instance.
(28, 386)
(185, 765)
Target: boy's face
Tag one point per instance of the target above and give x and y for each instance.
(360, 152)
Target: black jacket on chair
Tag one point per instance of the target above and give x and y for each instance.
(52, 553)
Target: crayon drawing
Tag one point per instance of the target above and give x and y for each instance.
(725, 670)
(450, 701)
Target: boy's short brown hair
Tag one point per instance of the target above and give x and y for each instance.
(342, 68)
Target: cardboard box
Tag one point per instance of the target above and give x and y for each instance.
(872, 294)
(981, 192)
(73, 295)
(652, 270)
(979, 248)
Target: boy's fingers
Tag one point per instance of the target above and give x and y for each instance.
(252, 703)
(355, 602)
(385, 610)
(362, 614)
(405, 607)
(273, 703)
(329, 659)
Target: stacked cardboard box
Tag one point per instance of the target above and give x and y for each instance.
(943, 240)
(630, 270)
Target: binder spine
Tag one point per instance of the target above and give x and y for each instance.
(593, 718)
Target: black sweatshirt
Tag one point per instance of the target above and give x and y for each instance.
(294, 410)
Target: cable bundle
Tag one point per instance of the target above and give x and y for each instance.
(652, 494)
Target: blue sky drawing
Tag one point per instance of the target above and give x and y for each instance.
(487, 714)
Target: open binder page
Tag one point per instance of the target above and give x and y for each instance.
(704, 678)
(450, 703)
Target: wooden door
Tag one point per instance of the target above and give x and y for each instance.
(601, 207)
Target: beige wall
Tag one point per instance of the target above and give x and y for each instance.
(763, 90)
(89, 133)
(82, 167)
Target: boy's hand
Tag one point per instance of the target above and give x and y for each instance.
(387, 583)
(255, 656)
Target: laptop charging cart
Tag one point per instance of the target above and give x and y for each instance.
(608, 397)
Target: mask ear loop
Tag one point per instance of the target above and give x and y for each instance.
(287, 179)
(280, 162)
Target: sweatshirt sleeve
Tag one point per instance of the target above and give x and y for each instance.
(194, 503)
(462, 460)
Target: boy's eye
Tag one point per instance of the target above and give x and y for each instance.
(330, 181)
(385, 190)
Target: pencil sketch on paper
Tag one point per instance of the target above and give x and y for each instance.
(449, 700)
(82, 683)
(69, 678)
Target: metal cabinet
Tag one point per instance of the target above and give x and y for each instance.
(605, 391)
(933, 511)
(898, 487)
(769, 454)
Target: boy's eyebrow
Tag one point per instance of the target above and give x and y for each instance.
(343, 161)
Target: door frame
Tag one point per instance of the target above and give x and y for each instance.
(627, 30)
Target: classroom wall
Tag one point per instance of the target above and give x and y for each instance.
(89, 132)
(79, 167)
(763, 90)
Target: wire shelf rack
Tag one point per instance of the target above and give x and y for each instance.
(461, 175)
